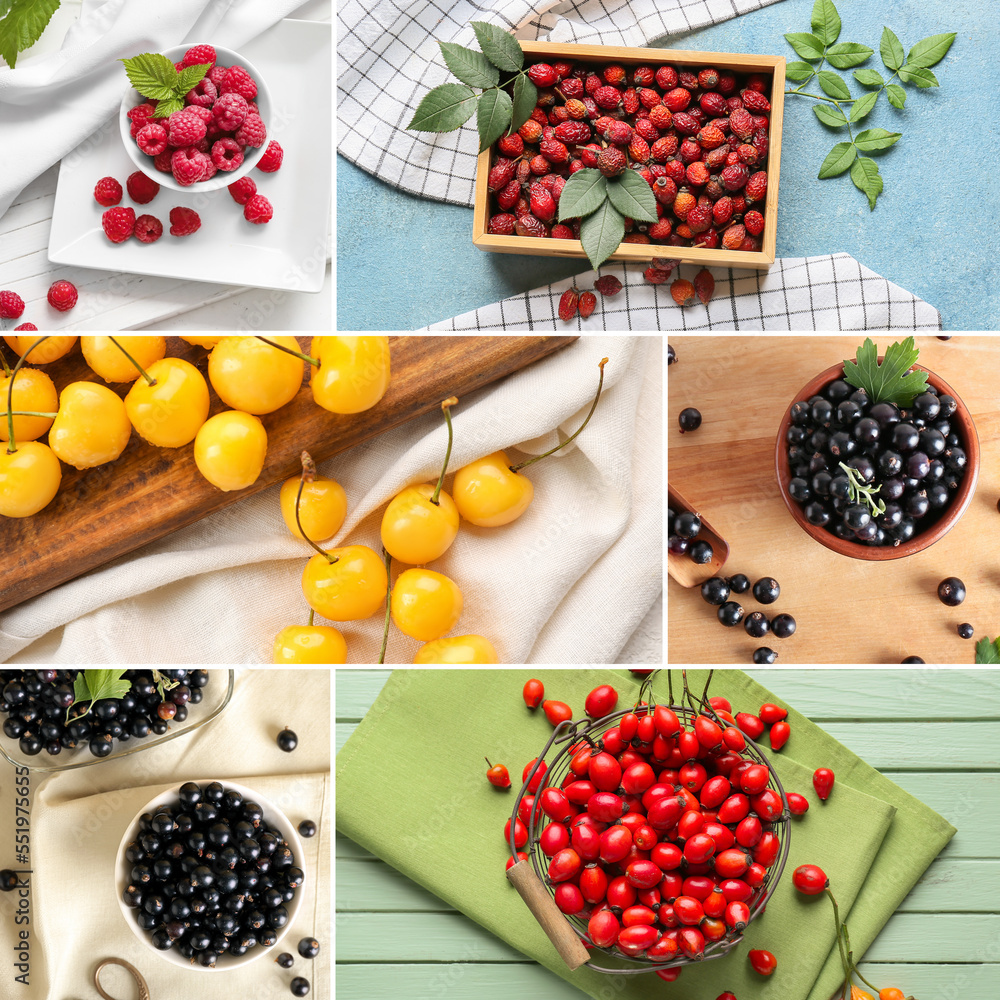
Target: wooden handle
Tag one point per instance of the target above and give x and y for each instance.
(564, 939)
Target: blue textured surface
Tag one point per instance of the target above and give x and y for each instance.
(404, 262)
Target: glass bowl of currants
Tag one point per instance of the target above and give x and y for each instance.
(208, 875)
(877, 458)
(59, 720)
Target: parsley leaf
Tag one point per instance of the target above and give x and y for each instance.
(988, 650)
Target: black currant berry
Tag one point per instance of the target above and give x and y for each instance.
(951, 591)
(756, 625)
(687, 525)
(309, 947)
(299, 987)
(285, 960)
(671, 356)
(913, 659)
(738, 584)
(766, 590)
(307, 828)
(782, 626)
(965, 630)
(730, 614)
(689, 419)
(715, 591)
(287, 740)
(701, 552)
(764, 655)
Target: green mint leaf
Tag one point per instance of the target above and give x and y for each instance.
(22, 25)
(930, 51)
(828, 115)
(191, 76)
(499, 46)
(891, 50)
(847, 54)
(583, 193)
(633, 197)
(864, 173)
(808, 46)
(917, 75)
(525, 98)
(838, 160)
(471, 67)
(164, 109)
(832, 85)
(799, 71)
(892, 381)
(444, 109)
(825, 21)
(896, 95)
(874, 140)
(988, 650)
(493, 116)
(868, 77)
(863, 106)
(601, 232)
(153, 75)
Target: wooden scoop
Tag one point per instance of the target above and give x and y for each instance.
(682, 568)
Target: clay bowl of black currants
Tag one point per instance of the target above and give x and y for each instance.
(209, 875)
(877, 478)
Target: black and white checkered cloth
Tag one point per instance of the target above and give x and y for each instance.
(797, 293)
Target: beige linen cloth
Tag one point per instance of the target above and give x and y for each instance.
(568, 582)
(78, 819)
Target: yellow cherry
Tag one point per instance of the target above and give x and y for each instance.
(208, 342)
(322, 508)
(229, 450)
(255, 377)
(425, 604)
(353, 373)
(310, 644)
(34, 392)
(414, 529)
(29, 479)
(171, 412)
(110, 362)
(53, 349)
(457, 649)
(91, 428)
(349, 589)
(488, 493)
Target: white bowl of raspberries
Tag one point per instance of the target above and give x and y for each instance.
(219, 136)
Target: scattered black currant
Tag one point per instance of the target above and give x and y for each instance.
(951, 591)
(689, 419)
(9, 880)
(764, 655)
(287, 740)
(309, 947)
(686, 525)
(913, 659)
(783, 626)
(965, 630)
(715, 590)
(766, 590)
(738, 584)
(299, 987)
(701, 552)
(285, 960)
(307, 828)
(756, 624)
(671, 356)
(730, 614)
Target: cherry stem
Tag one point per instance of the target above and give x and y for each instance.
(295, 354)
(308, 475)
(488, 762)
(11, 443)
(142, 371)
(552, 451)
(388, 604)
(840, 944)
(446, 409)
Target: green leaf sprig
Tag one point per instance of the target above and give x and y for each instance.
(21, 25)
(988, 650)
(858, 492)
(894, 380)
(601, 203)
(91, 686)
(838, 109)
(156, 77)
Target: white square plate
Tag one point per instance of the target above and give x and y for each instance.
(289, 252)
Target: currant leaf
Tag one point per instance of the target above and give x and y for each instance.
(22, 25)
(988, 650)
(892, 381)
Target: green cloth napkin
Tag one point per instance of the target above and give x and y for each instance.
(440, 823)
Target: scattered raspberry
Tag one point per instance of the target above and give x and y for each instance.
(682, 292)
(230, 111)
(118, 223)
(227, 155)
(148, 229)
(152, 139)
(203, 94)
(568, 304)
(62, 295)
(107, 192)
(238, 81)
(588, 303)
(243, 190)
(199, 55)
(11, 305)
(258, 210)
(185, 129)
(184, 221)
(141, 189)
(188, 165)
(252, 132)
(704, 285)
(25, 326)
(274, 154)
(608, 285)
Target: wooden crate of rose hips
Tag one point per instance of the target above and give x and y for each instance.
(703, 129)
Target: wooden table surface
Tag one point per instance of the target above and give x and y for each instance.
(847, 610)
(396, 939)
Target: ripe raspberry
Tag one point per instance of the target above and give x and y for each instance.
(227, 155)
(238, 81)
(607, 97)
(203, 94)
(62, 295)
(162, 161)
(741, 123)
(568, 304)
(25, 326)
(210, 170)
(139, 116)
(152, 139)
(188, 166)
(608, 285)
(655, 276)
(732, 238)
(587, 304)
(754, 101)
(757, 186)
(704, 285)
(184, 129)
(141, 189)
(271, 160)
(252, 132)
(754, 222)
(11, 305)
(148, 229)
(611, 161)
(542, 75)
(243, 190)
(217, 74)
(682, 292)
(184, 221)
(502, 224)
(230, 111)
(258, 210)
(118, 224)
(735, 176)
(199, 55)
(107, 192)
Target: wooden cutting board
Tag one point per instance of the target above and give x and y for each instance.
(103, 513)
(847, 610)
